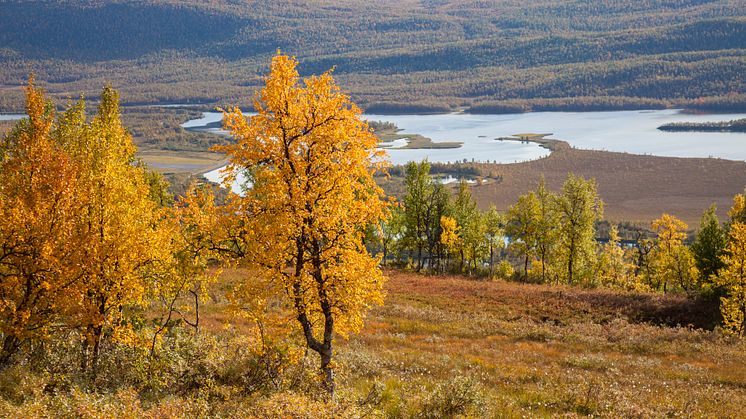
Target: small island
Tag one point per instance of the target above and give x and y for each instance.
(210, 127)
(540, 139)
(388, 134)
(738, 125)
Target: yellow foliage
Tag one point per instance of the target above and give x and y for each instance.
(39, 248)
(672, 262)
(733, 279)
(505, 270)
(614, 270)
(310, 158)
(739, 206)
(449, 235)
(118, 224)
(81, 237)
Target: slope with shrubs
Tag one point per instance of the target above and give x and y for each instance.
(440, 346)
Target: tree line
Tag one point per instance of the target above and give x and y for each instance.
(552, 238)
(737, 125)
(404, 58)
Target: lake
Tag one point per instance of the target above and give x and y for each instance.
(633, 132)
(11, 116)
(623, 131)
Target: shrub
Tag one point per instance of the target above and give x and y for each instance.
(504, 270)
(460, 396)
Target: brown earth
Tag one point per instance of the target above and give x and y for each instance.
(633, 187)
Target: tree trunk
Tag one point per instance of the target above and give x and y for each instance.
(324, 349)
(492, 261)
(570, 260)
(327, 371)
(196, 311)
(10, 347)
(543, 269)
(97, 333)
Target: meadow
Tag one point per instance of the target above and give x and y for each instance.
(440, 346)
(539, 350)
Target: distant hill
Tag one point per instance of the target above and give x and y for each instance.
(498, 55)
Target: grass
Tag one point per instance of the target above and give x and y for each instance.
(440, 346)
(193, 162)
(548, 143)
(633, 187)
(539, 350)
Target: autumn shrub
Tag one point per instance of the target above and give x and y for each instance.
(387, 398)
(300, 406)
(214, 368)
(504, 270)
(18, 385)
(459, 396)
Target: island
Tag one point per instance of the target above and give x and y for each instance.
(540, 139)
(389, 135)
(737, 125)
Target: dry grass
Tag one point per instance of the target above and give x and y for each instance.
(545, 351)
(193, 162)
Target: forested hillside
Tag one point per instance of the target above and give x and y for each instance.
(499, 55)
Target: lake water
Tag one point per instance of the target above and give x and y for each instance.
(623, 131)
(11, 116)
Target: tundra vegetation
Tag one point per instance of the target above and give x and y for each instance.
(313, 294)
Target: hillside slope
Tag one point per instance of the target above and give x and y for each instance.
(426, 55)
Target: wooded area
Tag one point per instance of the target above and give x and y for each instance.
(434, 56)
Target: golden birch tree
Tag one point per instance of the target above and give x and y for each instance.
(733, 280)
(613, 269)
(578, 208)
(118, 222)
(310, 158)
(38, 247)
(449, 237)
(522, 227)
(673, 262)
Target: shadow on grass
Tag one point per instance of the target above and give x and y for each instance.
(663, 310)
